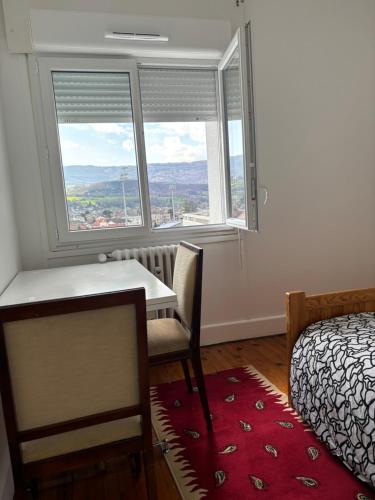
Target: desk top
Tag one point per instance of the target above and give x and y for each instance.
(89, 279)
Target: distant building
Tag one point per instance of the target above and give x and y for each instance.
(168, 225)
(195, 219)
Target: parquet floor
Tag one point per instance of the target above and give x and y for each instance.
(114, 482)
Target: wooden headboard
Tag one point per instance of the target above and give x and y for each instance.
(302, 310)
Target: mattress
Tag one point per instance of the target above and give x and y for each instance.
(333, 387)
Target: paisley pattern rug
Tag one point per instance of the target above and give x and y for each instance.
(259, 448)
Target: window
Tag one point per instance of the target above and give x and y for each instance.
(98, 151)
(139, 149)
(181, 126)
(239, 132)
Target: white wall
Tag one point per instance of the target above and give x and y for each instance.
(24, 159)
(18, 19)
(9, 264)
(314, 66)
(9, 257)
(314, 69)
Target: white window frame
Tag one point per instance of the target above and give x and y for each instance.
(214, 229)
(68, 242)
(242, 42)
(46, 66)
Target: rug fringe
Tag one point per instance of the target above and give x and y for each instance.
(184, 475)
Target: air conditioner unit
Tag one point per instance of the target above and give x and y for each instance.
(141, 36)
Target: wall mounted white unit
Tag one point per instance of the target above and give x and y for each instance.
(84, 32)
(135, 37)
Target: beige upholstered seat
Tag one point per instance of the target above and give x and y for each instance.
(81, 439)
(166, 335)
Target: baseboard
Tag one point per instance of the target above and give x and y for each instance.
(243, 329)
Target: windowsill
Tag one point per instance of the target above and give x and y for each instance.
(199, 235)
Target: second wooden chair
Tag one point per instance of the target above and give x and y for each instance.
(178, 338)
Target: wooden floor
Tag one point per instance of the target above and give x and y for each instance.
(114, 482)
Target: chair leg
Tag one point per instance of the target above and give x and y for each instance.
(197, 366)
(185, 367)
(21, 493)
(135, 464)
(32, 489)
(148, 463)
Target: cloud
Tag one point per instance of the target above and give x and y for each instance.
(69, 145)
(175, 142)
(108, 128)
(194, 131)
(173, 150)
(76, 126)
(113, 143)
(128, 144)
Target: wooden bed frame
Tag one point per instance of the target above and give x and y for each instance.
(302, 310)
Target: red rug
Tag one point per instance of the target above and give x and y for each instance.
(258, 449)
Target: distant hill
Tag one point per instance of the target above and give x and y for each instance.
(113, 188)
(172, 173)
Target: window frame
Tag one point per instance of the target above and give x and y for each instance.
(105, 239)
(46, 65)
(218, 228)
(242, 42)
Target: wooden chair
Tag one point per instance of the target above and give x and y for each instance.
(75, 385)
(178, 338)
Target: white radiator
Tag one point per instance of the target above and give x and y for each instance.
(158, 260)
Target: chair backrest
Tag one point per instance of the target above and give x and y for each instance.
(187, 283)
(67, 364)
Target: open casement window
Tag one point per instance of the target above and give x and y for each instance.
(82, 98)
(235, 77)
(182, 137)
(134, 151)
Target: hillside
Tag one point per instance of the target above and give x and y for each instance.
(114, 188)
(166, 173)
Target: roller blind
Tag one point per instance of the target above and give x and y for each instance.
(87, 97)
(168, 95)
(176, 95)
(232, 89)
(233, 95)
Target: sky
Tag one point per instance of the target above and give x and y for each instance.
(107, 144)
(112, 144)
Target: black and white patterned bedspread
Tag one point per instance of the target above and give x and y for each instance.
(333, 387)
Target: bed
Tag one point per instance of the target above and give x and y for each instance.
(331, 360)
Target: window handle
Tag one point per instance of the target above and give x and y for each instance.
(266, 194)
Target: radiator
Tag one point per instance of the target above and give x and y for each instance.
(158, 260)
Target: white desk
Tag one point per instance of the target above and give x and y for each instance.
(90, 279)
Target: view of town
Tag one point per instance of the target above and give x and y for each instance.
(101, 197)
(101, 180)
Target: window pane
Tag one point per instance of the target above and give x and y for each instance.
(98, 155)
(183, 173)
(180, 116)
(233, 113)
